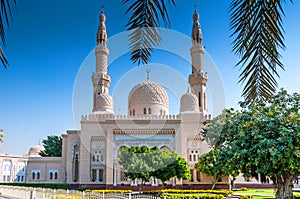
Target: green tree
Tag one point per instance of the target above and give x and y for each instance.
(211, 164)
(1, 138)
(53, 146)
(143, 162)
(168, 164)
(263, 138)
(218, 162)
(136, 162)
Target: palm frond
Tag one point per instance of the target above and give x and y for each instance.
(5, 15)
(258, 36)
(144, 21)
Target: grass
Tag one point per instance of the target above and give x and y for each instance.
(258, 193)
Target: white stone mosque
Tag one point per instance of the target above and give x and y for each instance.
(90, 154)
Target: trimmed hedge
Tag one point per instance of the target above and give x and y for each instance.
(179, 191)
(297, 195)
(38, 185)
(244, 189)
(192, 196)
(246, 197)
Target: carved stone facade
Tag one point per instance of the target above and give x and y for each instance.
(90, 155)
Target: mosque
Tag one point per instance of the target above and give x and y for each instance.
(90, 155)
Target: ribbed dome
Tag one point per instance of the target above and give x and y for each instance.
(104, 102)
(189, 102)
(34, 151)
(146, 95)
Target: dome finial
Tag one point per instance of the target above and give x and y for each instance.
(102, 9)
(148, 74)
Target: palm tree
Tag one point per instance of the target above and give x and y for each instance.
(259, 35)
(5, 15)
(144, 23)
(257, 28)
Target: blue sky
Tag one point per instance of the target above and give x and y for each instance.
(49, 40)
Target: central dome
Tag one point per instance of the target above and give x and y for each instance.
(148, 98)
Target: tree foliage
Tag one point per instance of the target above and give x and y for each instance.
(144, 21)
(5, 15)
(258, 37)
(143, 162)
(170, 165)
(264, 138)
(53, 146)
(211, 164)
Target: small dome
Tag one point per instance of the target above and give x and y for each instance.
(104, 102)
(149, 96)
(34, 151)
(189, 102)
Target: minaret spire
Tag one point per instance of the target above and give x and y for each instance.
(198, 78)
(101, 34)
(196, 32)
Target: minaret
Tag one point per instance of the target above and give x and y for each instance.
(198, 78)
(101, 80)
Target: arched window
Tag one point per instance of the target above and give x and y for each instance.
(130, 113)
(198, 176)
(204, 98)
(51, 175)
(133, 112)
(149, 110)
(192, 175)
(38, 175)
(101, 175)
(145, 111)
(161, 112)
(94, 174)
(33, 176)
(200, 99)
(55, 175)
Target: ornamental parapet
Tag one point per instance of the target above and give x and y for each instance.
(104, 117)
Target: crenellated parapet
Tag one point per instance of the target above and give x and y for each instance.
(105, 117)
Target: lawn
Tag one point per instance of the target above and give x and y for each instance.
(257, 193)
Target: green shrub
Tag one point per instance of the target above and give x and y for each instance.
(179, 191)
(297, 195)
(244, 189)
(191, 196)
(246, 197)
